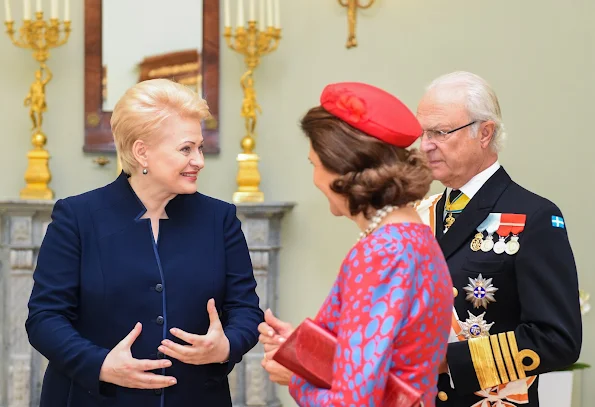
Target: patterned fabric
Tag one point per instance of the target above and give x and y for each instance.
(390, 308)
(456, 201)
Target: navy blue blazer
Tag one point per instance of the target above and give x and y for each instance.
(99, 272)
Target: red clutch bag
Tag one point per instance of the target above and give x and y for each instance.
(309, 353)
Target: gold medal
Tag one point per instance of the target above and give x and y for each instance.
(476, 242)
(449, 221)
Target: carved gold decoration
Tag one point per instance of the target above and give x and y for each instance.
(39, 36)
(180, 66)
(352, 6)
(253, 43)
(173, 70)
(101, 161)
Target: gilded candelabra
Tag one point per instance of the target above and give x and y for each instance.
(253, 43)
(39, 36)
(352, 6)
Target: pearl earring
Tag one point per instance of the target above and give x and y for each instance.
(145, 171)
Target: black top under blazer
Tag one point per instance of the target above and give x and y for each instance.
(99, 272)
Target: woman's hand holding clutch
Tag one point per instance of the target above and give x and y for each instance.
(120, 368)
(277, 373)
(213, 347)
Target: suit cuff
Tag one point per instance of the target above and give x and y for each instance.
(88, 378)
(235, 347)
(485, 362)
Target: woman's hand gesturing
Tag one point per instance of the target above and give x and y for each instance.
(120, 368)
(213, 347)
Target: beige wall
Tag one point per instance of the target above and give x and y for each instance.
(538, 54)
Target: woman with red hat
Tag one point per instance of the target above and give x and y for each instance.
(391, 304)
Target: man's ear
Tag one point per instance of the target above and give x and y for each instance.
(140, 153)
(486, 133)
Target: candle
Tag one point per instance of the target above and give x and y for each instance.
(269, 13)
(240, 13)
(38, 8)
(7, 10)
(54, 9)
(27, 9)
(277, 15)
(227, 18)
(66, 10)
(261, 15)
(252, 16)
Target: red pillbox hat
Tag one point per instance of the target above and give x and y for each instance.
(372, 111)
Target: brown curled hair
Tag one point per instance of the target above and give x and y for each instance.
(372, 173)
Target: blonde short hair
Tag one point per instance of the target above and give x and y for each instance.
(140, 112)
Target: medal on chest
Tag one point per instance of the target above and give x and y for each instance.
(475, 326)
(510, 223)
(489, 225)
(480, 291)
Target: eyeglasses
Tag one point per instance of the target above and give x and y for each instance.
(440, 136)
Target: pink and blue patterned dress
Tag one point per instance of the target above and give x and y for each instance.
(390, 309)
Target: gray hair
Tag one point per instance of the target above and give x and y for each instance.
(480, 100)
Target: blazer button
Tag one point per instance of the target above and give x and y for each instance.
(159, 320)
(160, 355)
(442, 396)
(159, 288)
(158, 391)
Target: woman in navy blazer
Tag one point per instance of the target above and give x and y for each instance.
(144, 293)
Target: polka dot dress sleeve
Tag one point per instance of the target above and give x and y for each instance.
(375, 296)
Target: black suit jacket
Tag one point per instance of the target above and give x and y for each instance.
(536, 312)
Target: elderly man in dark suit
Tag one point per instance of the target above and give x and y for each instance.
(144, 293)
(517, 312)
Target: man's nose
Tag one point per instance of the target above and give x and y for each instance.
(426, 145)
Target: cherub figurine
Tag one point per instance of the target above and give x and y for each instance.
(249, 105)
(36, 96)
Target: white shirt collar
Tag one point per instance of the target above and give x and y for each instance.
(475, 183)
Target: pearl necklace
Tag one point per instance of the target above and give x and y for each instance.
(380, 215)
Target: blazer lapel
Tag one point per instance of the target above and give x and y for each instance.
(474, 213)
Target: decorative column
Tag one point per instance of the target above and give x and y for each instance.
(261, 224)
(22, 227)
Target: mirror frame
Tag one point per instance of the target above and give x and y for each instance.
(98, 134)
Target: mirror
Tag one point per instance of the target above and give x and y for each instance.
(127, 41)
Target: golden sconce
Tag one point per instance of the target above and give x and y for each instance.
(39, 35)
(352, 7)
(252, 41)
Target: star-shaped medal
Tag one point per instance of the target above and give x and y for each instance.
(480, 291)
(475, 326)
